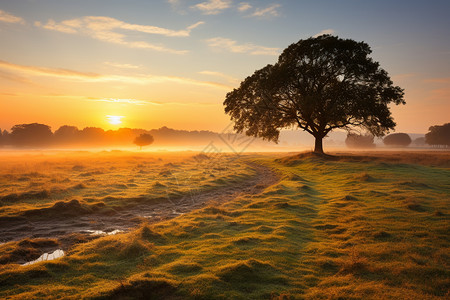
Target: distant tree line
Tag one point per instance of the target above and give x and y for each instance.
(362, 141)
(439, 136)
(35, 135)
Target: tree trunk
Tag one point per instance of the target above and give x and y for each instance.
(318, 146)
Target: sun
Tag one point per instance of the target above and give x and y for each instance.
(114, 120)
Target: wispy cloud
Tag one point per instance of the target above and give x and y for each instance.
(230, 45)
(442, 80)
(110, 100)
(404, 76)
(122, 66)
(270, 11)
(65, 74)
(9, 94)
(244, 6)
(103, 29)
(174, 3)
(325, 31)
(213, 7)
(10, 18)
(41, 71)
(178, 6)
(124, 101)
(439, 92)
(14, 78)
(142, 102)
(228, 78)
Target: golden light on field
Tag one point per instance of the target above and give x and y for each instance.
(114, 120)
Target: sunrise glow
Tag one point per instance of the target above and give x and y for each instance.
(171, 63)
(114, 120)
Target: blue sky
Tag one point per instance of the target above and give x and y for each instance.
(171, 62)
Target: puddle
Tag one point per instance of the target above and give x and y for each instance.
(47, 256)
(100, 232)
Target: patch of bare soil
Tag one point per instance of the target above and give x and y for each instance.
(66, 218)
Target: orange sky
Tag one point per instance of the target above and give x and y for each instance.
(57, 97)
(171, 63)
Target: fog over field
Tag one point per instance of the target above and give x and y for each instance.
(110, 224)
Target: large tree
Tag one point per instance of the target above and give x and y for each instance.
(318, 84)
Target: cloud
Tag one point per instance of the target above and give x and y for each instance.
(442, 86)
(443, 80)
(124, 101)
(270, 11)
(404, 76)
(122, 66)
(229, 78)
(174, 3)
(178, 6)
(40, 71)
(9, 18)
(9, 94)
(13, 77)
(438, 92)
(212, 7)
(65, 74)
(244, 6)
(141, 102)
(232, 46)
(103, 29)
(325, 31)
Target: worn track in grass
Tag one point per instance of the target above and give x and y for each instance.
(41, 227)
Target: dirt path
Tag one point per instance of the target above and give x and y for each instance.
(91, 224)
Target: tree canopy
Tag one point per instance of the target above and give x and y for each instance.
(397, 140)
(33, 134)
(420, 141)
(318, 85)
(439, 135)
(143, 140)
(354, 140)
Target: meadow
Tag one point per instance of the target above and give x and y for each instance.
(371, 225)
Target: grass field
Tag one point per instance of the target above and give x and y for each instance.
(351, 226)
(112, 179)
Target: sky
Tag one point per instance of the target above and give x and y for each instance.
(148, 64)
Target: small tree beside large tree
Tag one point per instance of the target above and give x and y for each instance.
(143, 139)
(397, 140)
(318, 85)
